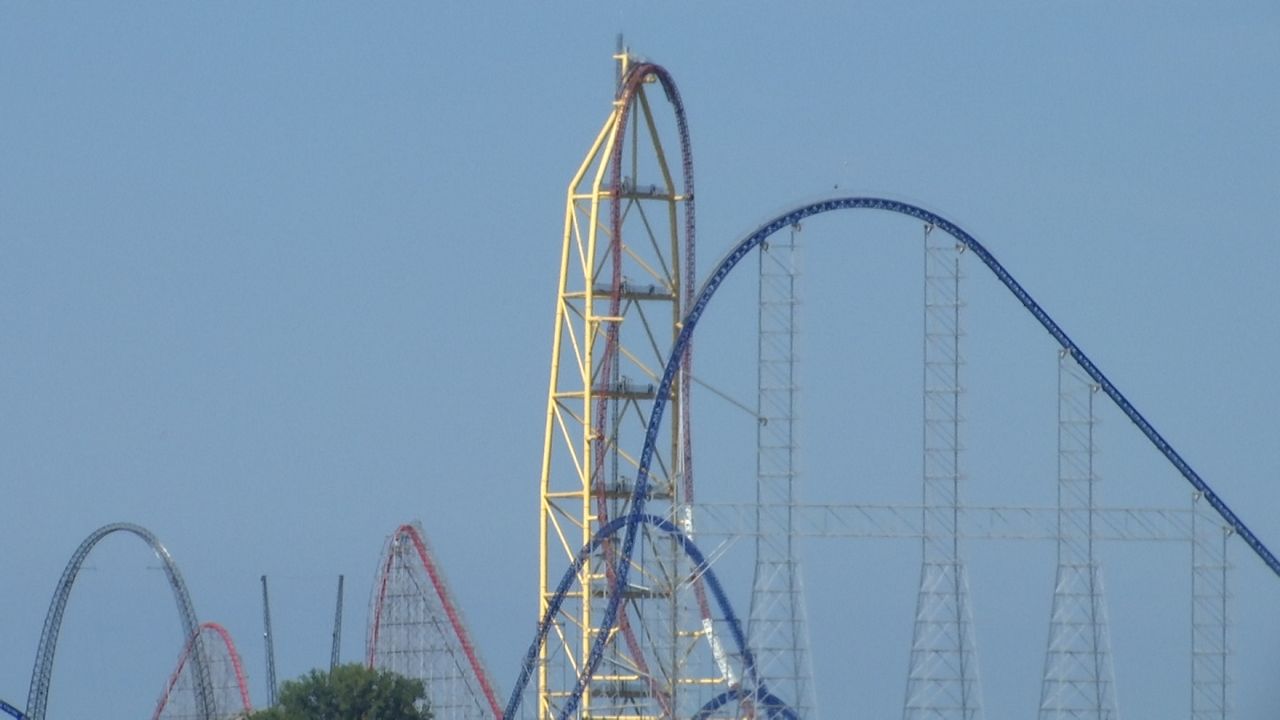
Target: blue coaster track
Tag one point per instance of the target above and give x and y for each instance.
(708, 290)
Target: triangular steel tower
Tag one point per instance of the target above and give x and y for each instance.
(1079, 681)
(942, 682)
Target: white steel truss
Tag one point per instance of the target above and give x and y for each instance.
(942, 680)
(777, 631)
(1210, 646)
(1079, 681)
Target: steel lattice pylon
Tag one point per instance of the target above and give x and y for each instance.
(625, 272)
(1210, 645)
(1079, 681)
(778, 632)
(416, 630)
(227, 685)
(942, 681)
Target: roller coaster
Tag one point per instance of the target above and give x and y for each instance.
(633, 620)
(42, 673)
(602, 395)
(416, 630)
(227, 679)
(640, 495)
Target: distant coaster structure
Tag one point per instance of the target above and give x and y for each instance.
(226, 678)
(42, 672)
(417, 630)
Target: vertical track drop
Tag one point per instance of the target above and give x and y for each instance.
(625, 280)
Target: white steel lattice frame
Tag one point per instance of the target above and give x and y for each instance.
(942, 679)
(1079, 680)
(902, 522)
(410, 633)
(228, 692)
(1210, 620)
(778, 632)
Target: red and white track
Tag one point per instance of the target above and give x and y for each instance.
(230, 691)
(416, 630)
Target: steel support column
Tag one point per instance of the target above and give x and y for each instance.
(778, 632)
(942, 681)
(1210, 645)
(1079, 681)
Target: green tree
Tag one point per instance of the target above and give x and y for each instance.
(350, 692)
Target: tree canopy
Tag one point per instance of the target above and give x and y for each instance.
(350, 692)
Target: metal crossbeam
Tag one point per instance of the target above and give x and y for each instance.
(974, 523)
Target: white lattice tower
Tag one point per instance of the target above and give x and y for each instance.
(412, 630)
(942, 681)
(1079, 681)
(777, 632)
(1210, 644)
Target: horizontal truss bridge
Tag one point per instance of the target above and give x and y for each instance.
(719, 520)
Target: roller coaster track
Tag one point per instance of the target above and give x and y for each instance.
(626, 278)
(409, 534)
(702, 572)
(675, 359)
(42, 672)
(632, 79)
(237, 670)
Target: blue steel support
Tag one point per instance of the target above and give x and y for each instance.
(772, 706)
(748, 244)
(11, 710)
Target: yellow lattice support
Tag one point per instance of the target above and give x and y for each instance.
(618, 307)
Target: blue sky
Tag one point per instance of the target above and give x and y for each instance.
(276, 278)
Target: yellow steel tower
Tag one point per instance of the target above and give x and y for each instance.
(624, 280)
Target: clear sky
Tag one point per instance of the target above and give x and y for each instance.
(278, 277)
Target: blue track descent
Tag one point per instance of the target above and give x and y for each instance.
(708, 290)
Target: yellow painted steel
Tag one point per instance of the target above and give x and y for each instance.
(579, 393)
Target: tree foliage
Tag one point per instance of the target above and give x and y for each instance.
(350, 692)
